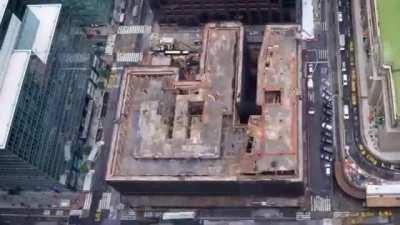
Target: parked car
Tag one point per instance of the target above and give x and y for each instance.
(346, 112)
(340, 16)
(311, 111)
(326, 157)
(345, 80)
(326, 126)
(327, 111)
(328, 119)
(310, 68)
(326, 91)
(325, 96)
(344, 66)
(327, 140)
(328, 169)
(310, 83)
(328, 105)
(327, 149)
(327, 134)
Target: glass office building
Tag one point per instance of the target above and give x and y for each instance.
(44, 79)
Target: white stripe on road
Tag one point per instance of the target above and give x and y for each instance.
(135, 29)
(105, 201)
(129, 56)
(88, 201)
(303, 216)
(322, 54)
(320, 204)
(110, 44)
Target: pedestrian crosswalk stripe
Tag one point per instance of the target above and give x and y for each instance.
(105, 201)
(322, 54)
(303, 216)
(136, 29)
(320, 204)
(88, 201)
(323, 26)
(129, 56)
(110, 44)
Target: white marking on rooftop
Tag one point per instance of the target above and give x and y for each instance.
(307, 21)
(48, 15)
(9, 93)
(3, 6)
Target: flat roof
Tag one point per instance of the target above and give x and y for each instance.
(47, 14)
(275, 131)
(9, 93)
(3, 6)
(383, 189)
(172, 126)
(307, 19)
(11, 80)
(184, 129)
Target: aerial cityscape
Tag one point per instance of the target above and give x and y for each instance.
(199, 112)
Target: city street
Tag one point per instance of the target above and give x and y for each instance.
(318, 56)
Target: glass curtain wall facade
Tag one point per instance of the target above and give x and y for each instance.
(43, 150)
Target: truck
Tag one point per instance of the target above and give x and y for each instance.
(342, 42)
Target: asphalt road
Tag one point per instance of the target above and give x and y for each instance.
(316, 53)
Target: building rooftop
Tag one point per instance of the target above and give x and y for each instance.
(9, 92)
(3, 6)
(274, 133)
(172, 126)
(33, 35)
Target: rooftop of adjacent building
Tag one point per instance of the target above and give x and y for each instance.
(274, 132)
(176, 123)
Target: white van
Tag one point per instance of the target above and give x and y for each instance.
(346, 112)
(310, 83)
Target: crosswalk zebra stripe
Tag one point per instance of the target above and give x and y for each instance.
(129, 57)
(88, 201)
(303, 216)
(322, 54)
(323, 26)
(320, 204)
(105, 201)
(110, 44)
(136, 29)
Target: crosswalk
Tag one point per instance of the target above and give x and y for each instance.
(130, 215)
(320, 204)
(135, 29)
(129, 56)
(88, 201)
(105, 201)
(341, 214)
(303, 215)
(323, 26)
(75, 57)
(322, 54)
(110, 44)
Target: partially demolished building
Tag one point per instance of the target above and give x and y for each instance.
(179, 133)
